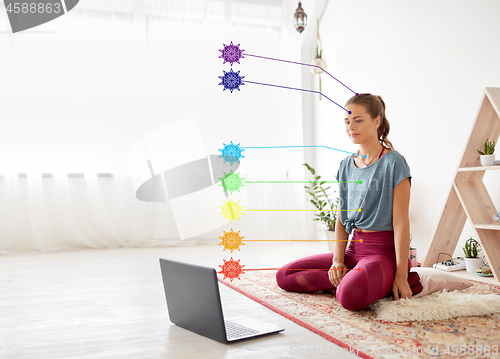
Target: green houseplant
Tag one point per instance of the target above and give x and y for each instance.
(471, 251)
(320, 198)
(318, 52)
(487, 156)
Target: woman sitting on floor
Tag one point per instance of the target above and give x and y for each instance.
(377, 259)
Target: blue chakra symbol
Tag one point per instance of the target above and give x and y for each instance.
(231, 80)
(231, 153)
(231, 53)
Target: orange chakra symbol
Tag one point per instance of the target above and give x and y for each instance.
(231, 240)
(231, 269)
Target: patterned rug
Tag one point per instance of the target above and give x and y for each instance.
(361, 334)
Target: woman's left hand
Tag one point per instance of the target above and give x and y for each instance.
(401, 288)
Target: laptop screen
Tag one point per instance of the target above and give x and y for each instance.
(193, 298)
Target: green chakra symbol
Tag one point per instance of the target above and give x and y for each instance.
(231, 181)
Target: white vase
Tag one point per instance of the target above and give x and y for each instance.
(487, 159)
(330, 235)
(471, 264)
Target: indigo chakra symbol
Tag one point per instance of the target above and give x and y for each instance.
(231, 53)
(231, 181)
(231, 153)
(231, 269)
(231, 80)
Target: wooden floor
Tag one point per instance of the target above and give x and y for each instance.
(110, 304)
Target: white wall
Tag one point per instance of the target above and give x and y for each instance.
(78, 91)
(430, 61)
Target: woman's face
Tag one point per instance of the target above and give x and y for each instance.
(359, 126)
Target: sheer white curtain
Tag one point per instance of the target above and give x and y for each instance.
(79, 92)
(44, 212)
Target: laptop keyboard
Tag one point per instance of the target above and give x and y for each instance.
(234, 330)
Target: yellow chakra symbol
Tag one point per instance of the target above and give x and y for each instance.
(231, 210)
(231, 240)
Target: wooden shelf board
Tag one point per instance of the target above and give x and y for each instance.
(473, 276)
(468, 197)
(482, 168)
(493, 94)
(476, 201)
(486, 126)
(448, 230)
(495, 227)
(490, 242)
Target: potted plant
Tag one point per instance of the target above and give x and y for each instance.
(320, 198)
(487, 157)
(472, 260)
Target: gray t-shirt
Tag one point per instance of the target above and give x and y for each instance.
(374, 195)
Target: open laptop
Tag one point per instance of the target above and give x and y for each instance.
(193, 302)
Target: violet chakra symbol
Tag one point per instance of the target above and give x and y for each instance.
(231, 53)
(231, 80)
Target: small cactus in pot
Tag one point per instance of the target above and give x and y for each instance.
(487, 156)
(472, 248)
(471, 251)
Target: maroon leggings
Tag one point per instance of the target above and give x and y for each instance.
(376, 256)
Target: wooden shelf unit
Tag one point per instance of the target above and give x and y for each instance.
(468, 197)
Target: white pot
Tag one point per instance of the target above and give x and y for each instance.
(487, 159)
(330, 235)
(471, 264)
(318, 61)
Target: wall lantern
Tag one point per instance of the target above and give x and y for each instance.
(300, 19)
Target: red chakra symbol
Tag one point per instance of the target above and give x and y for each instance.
(231, 269)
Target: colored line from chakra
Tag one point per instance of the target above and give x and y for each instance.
(301, 63)
(291, 210)
(231, 240)
(231, 181)
(231, 80)
(231, 153)
(231, 210)
(293, 88)
(331, 148)
(231, 53)
(231, 269)
(304, 181)
(326, 269)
